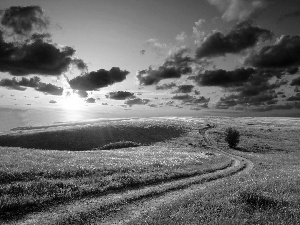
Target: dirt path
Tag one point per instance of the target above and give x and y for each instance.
(121, 208)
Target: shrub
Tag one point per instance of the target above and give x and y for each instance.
(120, 144)
(232, 137)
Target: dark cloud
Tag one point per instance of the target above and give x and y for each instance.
(188, 99)
(293, 14)
(136, 101)
(26, 48)
(296, 81)
(255, 100)
(242, 36)
(44, 36)
(283, 54)
(142, 52)
(24, 20)
(277, 107)
(292, 70)
(297, 89)
(50, 89)
(52, 101)
(175, 65)
(19, 84)
(34, 58)
(153, 105)
(186, 88)
(294, 98)
(165, 86)
(184, 97)
(90, 100)
(120, 95)
(224, 78)
(98, 79)
(82, 93)
(12, 84)
(153, 76)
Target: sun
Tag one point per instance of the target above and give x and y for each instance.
(72, 101)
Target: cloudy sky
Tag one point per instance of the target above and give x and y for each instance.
(75, 60)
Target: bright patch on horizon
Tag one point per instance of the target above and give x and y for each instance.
(71, 101)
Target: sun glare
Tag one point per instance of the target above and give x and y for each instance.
(72, 102)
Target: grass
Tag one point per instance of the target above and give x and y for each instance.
(33, 180)
(88, 137)
(269, 194)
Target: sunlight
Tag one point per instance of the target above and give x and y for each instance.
(72, 101)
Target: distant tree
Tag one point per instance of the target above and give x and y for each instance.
(232, 137)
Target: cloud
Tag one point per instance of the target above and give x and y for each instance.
(186, 88)
(16, 83)
(165, 86)
(82, 93)
(188, 99)
(296, 81)
(120, 95)
(174, 66)
(293, 14)
(181, 37)
(224, 78)
(142, 52)
(90, 100)
(242, 36)
(98, 79)
(153, 76)
(153, 105)
(24, 20)
(26, 48)
(249, 87)
(246, 100)
(283, 54)
(277, 107)
(159, 48)
(50, 89)
(52, 101)
(237, 9)
(33, 82)
(292, 70)
(294, 97)
(12, 84)
(34, 58)
(198, 32)
(136, 101)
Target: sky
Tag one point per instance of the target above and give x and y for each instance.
(70, 60)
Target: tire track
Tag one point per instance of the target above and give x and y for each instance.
(121, 208)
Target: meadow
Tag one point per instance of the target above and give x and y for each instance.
(33, 180)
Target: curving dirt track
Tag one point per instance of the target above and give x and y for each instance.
(122, 208)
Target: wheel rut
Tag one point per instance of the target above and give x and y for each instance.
(121, 208)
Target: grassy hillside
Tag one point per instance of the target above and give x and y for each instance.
(88, 137)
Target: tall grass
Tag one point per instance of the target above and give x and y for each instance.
(22, 193)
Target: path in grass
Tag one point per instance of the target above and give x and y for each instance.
(123, 207)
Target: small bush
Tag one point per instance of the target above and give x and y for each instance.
(120, 144)
(232, 137)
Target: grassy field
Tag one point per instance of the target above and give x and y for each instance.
(32, 180)
(269, 194)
